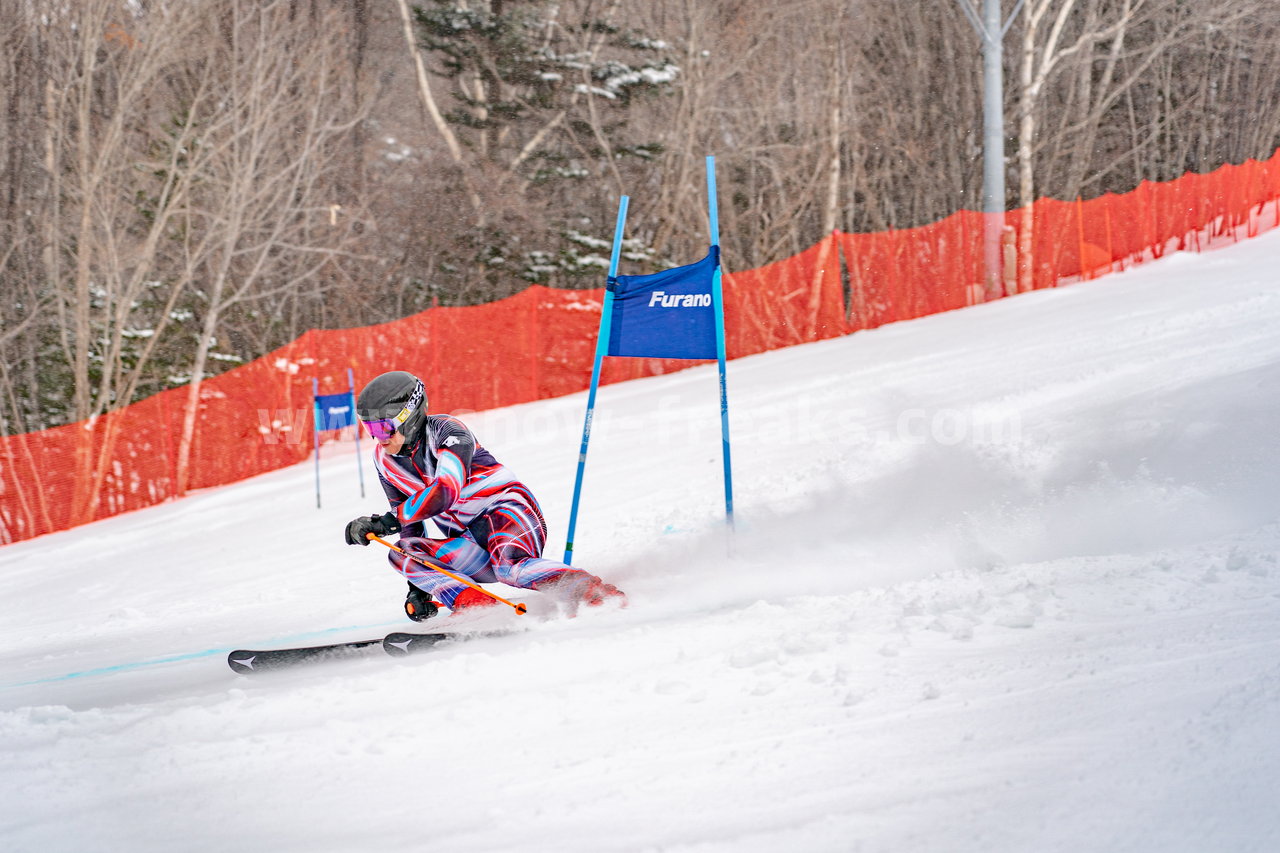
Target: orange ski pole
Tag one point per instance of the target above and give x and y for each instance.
(519, 608)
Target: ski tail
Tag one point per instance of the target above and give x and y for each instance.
(250, 661)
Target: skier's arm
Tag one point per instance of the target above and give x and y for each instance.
(455, 445)
(438, 495)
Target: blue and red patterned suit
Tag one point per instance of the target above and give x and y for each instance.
(493, 526)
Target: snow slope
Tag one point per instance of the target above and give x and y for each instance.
(1005, 579)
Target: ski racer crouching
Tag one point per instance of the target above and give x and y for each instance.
(431, 467)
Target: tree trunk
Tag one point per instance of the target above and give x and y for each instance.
(1026, 157)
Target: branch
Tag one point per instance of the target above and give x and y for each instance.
(424, 86)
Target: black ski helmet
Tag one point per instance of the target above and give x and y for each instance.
(398, 397)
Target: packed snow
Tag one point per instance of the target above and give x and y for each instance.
(1003, 579)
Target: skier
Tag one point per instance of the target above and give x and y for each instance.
(431, 467)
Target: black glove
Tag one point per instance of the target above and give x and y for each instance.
(358, 529)
(418, 605)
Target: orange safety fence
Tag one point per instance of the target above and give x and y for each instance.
(901, 274)
(540, 343)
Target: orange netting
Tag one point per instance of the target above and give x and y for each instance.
(541, 342)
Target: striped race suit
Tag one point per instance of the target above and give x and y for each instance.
(492, 524)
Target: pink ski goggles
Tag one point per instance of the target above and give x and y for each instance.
(383, 428)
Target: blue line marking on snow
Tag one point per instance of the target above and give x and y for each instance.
(143, 664)
(119, 667)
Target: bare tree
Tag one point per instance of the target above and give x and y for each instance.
(263, 204)
(114, 188)
(1079, 60)
(1040, 55)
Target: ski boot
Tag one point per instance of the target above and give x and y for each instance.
(471, 598)
(575, 587)
(418, 605)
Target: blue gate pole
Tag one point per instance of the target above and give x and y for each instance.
(717, 299)
(602, 347)
(355, 420)
(315, 432)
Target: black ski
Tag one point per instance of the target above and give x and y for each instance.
(249, 661)
(399, 644)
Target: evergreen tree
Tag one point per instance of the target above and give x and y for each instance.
(542, 96)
